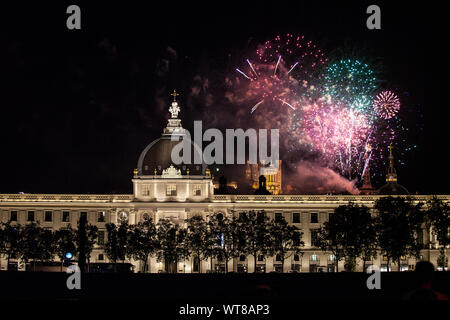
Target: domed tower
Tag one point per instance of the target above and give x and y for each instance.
(160, 176)
(392, 187)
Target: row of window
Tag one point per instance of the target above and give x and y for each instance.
(171, 190)
(48, 216)
(313, 217)
(101, 216)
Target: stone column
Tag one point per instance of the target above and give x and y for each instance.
(269, 264)
(250, 264)
(231, 265)
(132, 218)
(114, 216)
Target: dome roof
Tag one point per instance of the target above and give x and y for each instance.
(158, 156)
(392, 188)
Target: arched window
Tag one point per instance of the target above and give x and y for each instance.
(196, 264)
(123, 216)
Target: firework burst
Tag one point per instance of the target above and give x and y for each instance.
(386, 104)
(282, 71)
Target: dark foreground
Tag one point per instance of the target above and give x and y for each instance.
(213, 287)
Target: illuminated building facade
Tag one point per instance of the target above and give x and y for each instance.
(177, 192)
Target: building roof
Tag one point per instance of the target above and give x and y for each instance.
(392, 188)
(157, 156)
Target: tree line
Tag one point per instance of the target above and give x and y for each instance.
(219, 237)
(352, 232)
(395, 231)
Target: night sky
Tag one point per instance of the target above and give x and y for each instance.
(79, 106)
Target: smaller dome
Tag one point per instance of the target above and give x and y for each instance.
(392, 188)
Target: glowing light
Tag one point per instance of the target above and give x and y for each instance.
(386, 104)
(237, 69)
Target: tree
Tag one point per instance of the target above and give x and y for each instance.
(184, 250)
(197, 238)
(85, 239)
(368, 240)
(10, 241)
(397, 223)
(210, 249)
(254, 230)
(65, 243)
(226, 232)
(38, 244)
(349, 233)
(438, 221)
(142, 241)
(170, 238)
(285, 239)
(116, 242)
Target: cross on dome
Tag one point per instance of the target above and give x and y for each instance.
(174, 95)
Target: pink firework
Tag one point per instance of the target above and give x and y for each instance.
(339, 134)
(282, 71)
(386, 104)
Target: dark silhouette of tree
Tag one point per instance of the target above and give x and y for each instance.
(210, 249)
(197, 238)
(438, 223)
(170, 238)
(116, 242)
(184, 250)
(397, 223)
(349, 233)
(142, 242)
(285, 239)
(226, 233)
(85, 239)
(254, 230)
(38, 244)
(65, 242)
(10, 241)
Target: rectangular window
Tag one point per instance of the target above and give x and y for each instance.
(278, 216)
(83, 215)
(171, 190)
(260, 258)
(30, 216)
(315, 238)
(145, 190)
(314, 217)
(101, 238)
(48, 216)
(296, 217)
(197, 190)
(65, 216)
(13, 216)
(296, 257)
(100, 256)
(101, 216)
